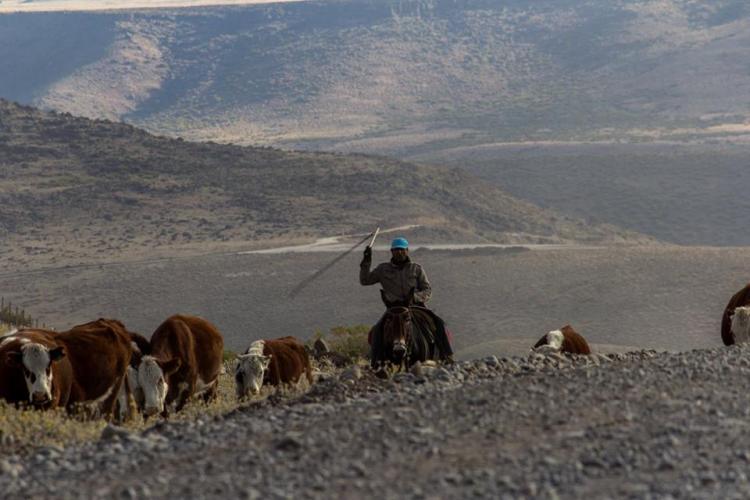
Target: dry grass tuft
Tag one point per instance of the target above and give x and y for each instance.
(23, 429)
(349, 341)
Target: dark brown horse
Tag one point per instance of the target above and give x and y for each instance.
(405, 338)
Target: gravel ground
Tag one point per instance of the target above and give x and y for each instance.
(638, 425)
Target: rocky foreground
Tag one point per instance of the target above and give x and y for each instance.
(639, 425)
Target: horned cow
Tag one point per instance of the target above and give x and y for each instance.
(566, 339)
(276, 362)
(185, 360)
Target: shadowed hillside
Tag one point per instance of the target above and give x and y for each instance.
(73, 188)
(685, 194)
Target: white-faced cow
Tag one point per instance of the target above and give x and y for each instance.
(566, 339)
(739, 299)
(127, 407)
(185, 360)
(276, 362)
(82, 368)
(34, 369)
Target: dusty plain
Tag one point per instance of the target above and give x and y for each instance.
(496, 301)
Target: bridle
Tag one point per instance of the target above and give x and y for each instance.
(402, 343)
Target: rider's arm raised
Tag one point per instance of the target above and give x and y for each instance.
(367, 277)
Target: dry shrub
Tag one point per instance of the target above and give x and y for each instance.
(22, 429)
(349, 341)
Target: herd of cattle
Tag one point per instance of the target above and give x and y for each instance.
(101, 368)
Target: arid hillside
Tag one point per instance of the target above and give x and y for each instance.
(76, 190)
(394, 75)
(689, 194)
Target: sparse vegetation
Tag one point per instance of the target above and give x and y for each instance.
(14, 316)
(350, 341)
(22, 429)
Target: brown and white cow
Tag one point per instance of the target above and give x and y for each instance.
(276, 362)
(82, 368)
(99, 352)
(566, 339)
(738, 300)
(34, 369)
(127, 407)
(186, 359)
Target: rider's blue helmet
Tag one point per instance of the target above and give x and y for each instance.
(399, 243)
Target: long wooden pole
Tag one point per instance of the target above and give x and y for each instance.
(295, 291)
(374, 235)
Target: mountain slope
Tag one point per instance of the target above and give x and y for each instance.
(394, 76)
(72, 186)
(688, 194)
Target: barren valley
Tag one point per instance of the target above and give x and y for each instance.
(495, 301)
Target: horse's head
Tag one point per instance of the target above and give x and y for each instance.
(397, 329)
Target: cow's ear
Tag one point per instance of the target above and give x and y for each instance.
(57, 354)
(135, 359)
(171, 366)
(14, 358)
(266, 361)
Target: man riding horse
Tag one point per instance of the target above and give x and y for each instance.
(404, 284)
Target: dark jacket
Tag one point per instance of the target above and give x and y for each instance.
(397, 281)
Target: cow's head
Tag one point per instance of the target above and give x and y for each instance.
(741, 325)
(249, 373)
(552, 342)
(35, 361)
(153, 374)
